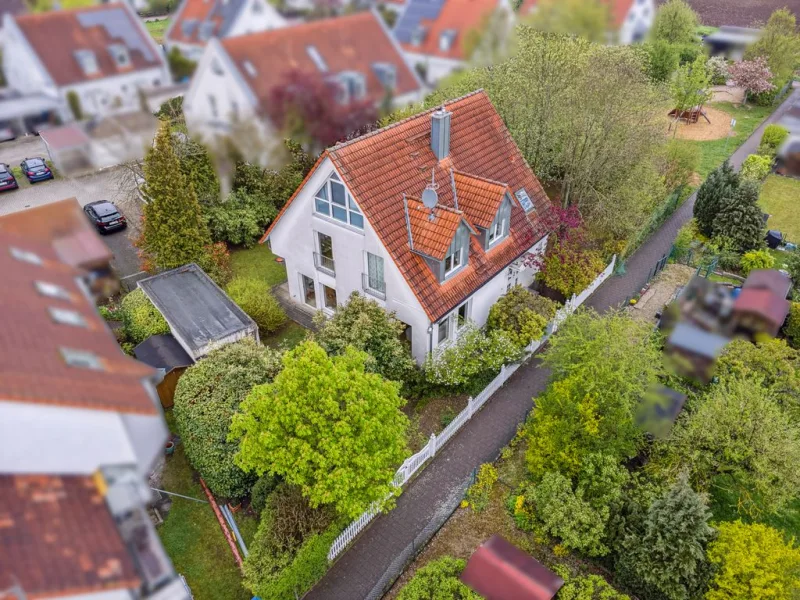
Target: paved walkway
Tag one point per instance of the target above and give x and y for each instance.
(482, 438)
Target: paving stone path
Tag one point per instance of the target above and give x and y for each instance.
(356, 573)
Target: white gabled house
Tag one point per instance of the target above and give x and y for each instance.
(432, 217)
(197, 22)
(235, 77)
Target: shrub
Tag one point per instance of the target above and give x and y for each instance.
(261, 491)
(721, 183)
(478, 493)
(522, 315)
(568, 268)
(756, 167)
(207, 397)
(685, 238)
(216, 262)
(473, 354)
(663, 60)
(792, 329)
(585, 587)
(774, 135)
(240, 219)
(140, 318)
(718, 69)
(438, 579)
(756, 259)
(253, 297)
(180, 66)
(739, 218)
(680, 163)
(74, 102)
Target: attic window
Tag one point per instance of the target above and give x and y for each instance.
(120, 55)
(249, 69)
(25, 256)
(188, 26)
(353, 85)
(333, 200)
(317, 59)
(446, 39)
(386, 74)
(51, 290)
(524, 200)
(206, 29)
(67, 317)
(87, 60)
(81, 359)
(216, 68)
(418, 35)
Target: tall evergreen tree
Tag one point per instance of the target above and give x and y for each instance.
(718, 185)
(664, 556)
(739, 217)
(175, 232)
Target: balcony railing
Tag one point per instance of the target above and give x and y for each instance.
(324, 264)
(374, 286)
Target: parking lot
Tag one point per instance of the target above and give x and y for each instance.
(111, 184)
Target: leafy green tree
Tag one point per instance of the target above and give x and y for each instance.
(326, 425)
(739, 218)
(721, 183)
(680, 163)
(253, 297)
(666, 554)
(438, 580)
(589, 19)
(522, 315)
(717, 67)
(753, 561)
(779, 44)
(675, 23)
(362, 324)
(792, 329)
(240, 219)
(208, 395)
(663, 60)
(689, 85)
(740, 434)
(174, 232)
(198, 168)
(140, 319)
(180, 66)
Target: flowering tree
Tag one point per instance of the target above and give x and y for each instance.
(309, 109)
(753, 75)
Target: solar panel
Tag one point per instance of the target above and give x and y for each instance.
(119, 26)
(524, 200)
(415, 12)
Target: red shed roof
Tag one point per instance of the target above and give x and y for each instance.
(764, 303)
(768, 279)
(498, 570)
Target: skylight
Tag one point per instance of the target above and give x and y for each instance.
(26, 256)
(66, 316)
(251, 70)
(81, 359)
(524, 199)
(316, 57)
(120, 55)
(87, 60)
(51, 290)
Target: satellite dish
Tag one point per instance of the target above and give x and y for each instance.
(430, 198)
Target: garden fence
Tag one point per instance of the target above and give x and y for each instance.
(417, 461)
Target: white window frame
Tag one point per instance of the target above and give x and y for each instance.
(452, 324)
(324, 298)
(324, 196)
(455, 266)
(497, 232)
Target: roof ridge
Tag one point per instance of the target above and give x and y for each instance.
(402, 121)
(486, 179)
(320, 23)
(442, 206)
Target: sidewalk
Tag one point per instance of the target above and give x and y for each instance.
(482, 438)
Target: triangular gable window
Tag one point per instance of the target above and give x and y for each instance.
(334, 201)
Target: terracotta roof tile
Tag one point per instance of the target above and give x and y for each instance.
(763, 302)
(479, 198)
(350, 43)
(432, 231)
(32, 368)
(381, 166)
(619, 9)
(58, 538)
(56, 36)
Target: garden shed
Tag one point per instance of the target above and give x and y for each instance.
(200, 315)
(164, 353)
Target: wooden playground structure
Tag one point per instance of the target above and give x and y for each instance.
(689, 116)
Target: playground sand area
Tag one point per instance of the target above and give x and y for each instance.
(703, 131)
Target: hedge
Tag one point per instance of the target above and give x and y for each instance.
(140, 318)
(254, 298)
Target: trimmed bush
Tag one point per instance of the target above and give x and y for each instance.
(261, 491)
(756, 168)
(478, 493)
(774, 135)
(756, 259)
(718, 69)
(140, 318)
(254, 298)
(522, 315)
(438, 579)
(792, 329)
(207, 397)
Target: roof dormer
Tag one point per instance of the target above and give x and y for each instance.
(87, 61)
(119, 53)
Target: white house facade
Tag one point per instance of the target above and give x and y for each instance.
(436, 262)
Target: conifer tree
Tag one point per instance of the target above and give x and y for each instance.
(718, 185)
(739, 218)
(175, 232)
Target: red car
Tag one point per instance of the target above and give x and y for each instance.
(7, 179)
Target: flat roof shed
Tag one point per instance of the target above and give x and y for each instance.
(200, 315)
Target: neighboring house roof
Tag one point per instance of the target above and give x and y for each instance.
(355, 43)
(76, 46)
(768, 279)
(764, 303)
(738, 12)
(38, 338)
(122, 124)
(58, 538)
(380, 167)
(12, 7)
(64, 138)
(162, 352)
(619, 9)
(687, 336)
(434, 20)
(195, 308)
(63, 225)
(500, 570)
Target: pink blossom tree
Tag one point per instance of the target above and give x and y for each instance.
(753, 75)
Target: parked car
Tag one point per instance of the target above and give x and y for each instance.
(105, 216)
(36, 169)
(7, 179)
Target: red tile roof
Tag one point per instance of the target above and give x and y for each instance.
(432, 231)
(58, 538)
(479, 198)
(764, 303)
(56, 36)
(32, 368)
(619, 9)
(461, 16)
(351, 43)
(378, 168)
(768, 279)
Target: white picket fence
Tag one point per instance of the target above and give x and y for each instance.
(414, 463)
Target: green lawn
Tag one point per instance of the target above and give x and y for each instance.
(192, 537)
(713, 153)
(157, 29)
(780, 197)
(287, 337)
(258, 262)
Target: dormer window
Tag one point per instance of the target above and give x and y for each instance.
(386, 74)
(205, 31)
(334, 201)
(352, 86)
(418, 35)
(87, 61)
(120, 55)
(25, 256)
(446, 39)
(453, 260)
(499, 228)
